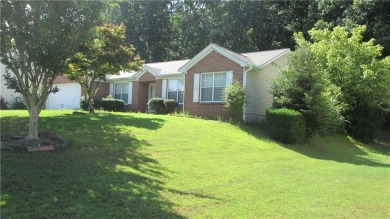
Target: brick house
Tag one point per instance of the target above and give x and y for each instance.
(196, 84)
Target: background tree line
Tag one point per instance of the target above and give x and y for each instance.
(179, 29)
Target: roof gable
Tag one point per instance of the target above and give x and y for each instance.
(235, 57)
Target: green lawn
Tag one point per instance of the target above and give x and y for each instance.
(124, 165)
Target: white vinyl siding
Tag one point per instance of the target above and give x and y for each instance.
(121, 92)
(212, 85)
(258, 87)
(175, 90)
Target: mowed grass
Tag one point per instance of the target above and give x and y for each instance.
(124, 165)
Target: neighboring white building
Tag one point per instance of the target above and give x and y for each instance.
(8, 94)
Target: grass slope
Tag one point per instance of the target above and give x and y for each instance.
(125, 165)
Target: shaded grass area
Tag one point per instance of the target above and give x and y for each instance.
(146, 166)
(101, 175)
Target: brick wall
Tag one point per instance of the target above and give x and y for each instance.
(103, 91)
(143, 89)
(60, 79)
(147, 77)
(213, 62)
(140, 92)
(159, 88)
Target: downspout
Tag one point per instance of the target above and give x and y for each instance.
(244, 79)
(184, 93)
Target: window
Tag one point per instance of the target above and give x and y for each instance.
(121, 91)
(175, 90)
(212, 85)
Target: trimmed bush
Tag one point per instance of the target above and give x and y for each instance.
(3, 103)
(111, 104)
(156, 104)
(83, 104)
(170, 105)
(18, 104)
(286, 125)
(107, 104)
(97, 104)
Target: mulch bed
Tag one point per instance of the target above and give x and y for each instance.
(47, 142)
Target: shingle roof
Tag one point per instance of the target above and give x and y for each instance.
(236, 55)
(170, 67)
(257, 59)
(264, 57)
(121, 75)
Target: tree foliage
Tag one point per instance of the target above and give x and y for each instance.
(106, 53)
(337, 65)
(37, 38)
(305, 87)
(356, 68)
(168, 30)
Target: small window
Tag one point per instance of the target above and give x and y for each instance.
(121, 92)
(175, 90)
(212, 85)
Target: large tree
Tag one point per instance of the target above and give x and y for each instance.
(37, 39)
(304, 86)
(339, 64)
(104, 54)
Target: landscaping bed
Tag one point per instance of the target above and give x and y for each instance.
(46, 142)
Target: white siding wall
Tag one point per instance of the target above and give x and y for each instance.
(8, 94)
(258, 87)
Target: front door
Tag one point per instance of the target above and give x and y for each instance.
(152, 91)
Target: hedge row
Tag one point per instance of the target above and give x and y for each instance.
(107, 104)
(286, 125)
(160, 105)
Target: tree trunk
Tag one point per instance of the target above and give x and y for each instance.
(34, 117)
(90, 105)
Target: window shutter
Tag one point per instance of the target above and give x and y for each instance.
(229, 77)
(196, 88)
(130, 92)
(164, 89)
(112, 89)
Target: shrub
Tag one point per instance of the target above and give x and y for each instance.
(157, 104)
(304, 87)
(286, 125)
(170, 105)
(4, 104)
(360, 127)
(18, 103)
(234, 97)
(97, 104)
(83, 104)
(111, 104)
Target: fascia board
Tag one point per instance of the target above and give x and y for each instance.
(168, 76)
